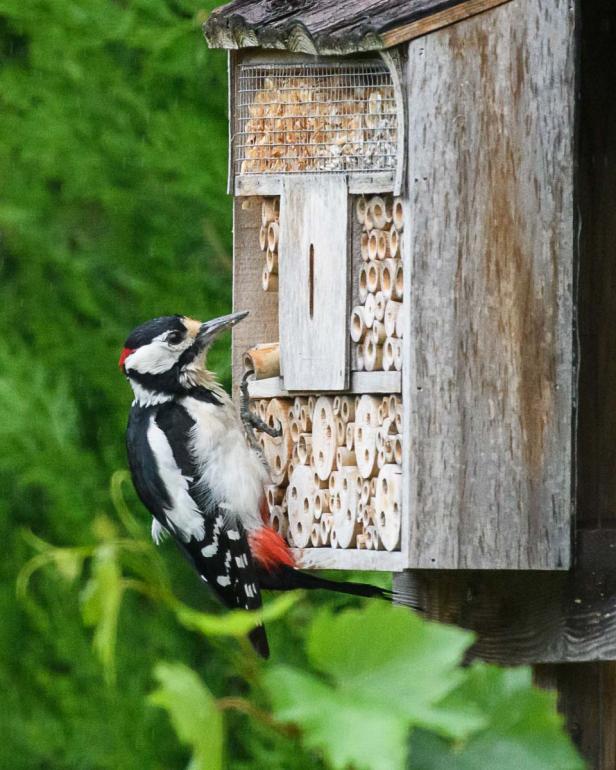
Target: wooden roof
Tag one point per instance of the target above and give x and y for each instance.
(332, 27)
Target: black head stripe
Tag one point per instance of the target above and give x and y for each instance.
(145, 333)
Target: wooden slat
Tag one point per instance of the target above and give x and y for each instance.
(587, 700)
(271, 184)
(492, 256)
(337, 558)
(262, 323)
(523, 617)
(361, 382)
(437, 20)
(314, 290)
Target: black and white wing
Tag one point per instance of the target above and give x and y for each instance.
(166, 478)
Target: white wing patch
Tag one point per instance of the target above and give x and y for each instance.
(159, 533)
(184, 515)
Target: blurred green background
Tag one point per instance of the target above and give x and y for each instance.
(113, 147)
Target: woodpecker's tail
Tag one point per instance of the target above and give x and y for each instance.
(286, 579)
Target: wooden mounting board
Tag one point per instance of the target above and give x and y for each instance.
(361, 382)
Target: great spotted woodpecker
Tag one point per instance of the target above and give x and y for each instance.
(196, 473)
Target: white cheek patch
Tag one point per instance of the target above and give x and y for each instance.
(154, 358)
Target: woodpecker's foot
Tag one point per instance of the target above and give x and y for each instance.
(251, 420)
(259, 425)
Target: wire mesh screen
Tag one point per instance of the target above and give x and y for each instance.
(313, 117)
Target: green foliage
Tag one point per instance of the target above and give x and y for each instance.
(194, 714)
(385, 672)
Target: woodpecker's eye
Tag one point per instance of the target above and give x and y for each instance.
(175, 338)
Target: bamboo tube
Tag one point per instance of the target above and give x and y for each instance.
(363, 283)
(304, 448)
(263, 237)
(398, 421)
(382, 245)
(388, 428)
(272, 236)
(310, 403)
(369, 307)
(394, 243)
(392, 308)
(379, 305)
(380, 458)
(378, 333)
(377, 209)
(263, 360)
(324, 440)
(251, 202)
(278, 521)
(373, 245)
(295, 429)
(363, 246)
(364, 495)
(336, 406)
(373, 356)
(389, 209)
(278, 448)
(301, 504)
(274, 495)
(368, 221)
(360, 357)
(388, 354)
(347, 408)
(340, 431)
(305, 419)
(360, 209)
(387, 506)
(291, 468)
(334, 482)
(360, 542)
(398, 215)
(373, 277)
(271, 261)
(326, 526)
(372, 487)
(333, 537)
(398, 450)
(388, 276)
(398, 355)
(350, 429)
(298, 402)
(268, 211)
(345, 521)
(318, 482)
(398, 285)
(315, 535)
(269, 281)
(262, 410)
(321, 503)
(364, 440)
(295, 456)
(276, 205)
(345, 458)
(388, 449)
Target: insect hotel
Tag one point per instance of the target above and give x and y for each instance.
(423, 221)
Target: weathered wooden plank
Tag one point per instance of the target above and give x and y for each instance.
(261, 325)
(337, 28)
(492, 265)
(361, 382)
(524, 617)
(587, 700)
(337, 558)
(437, 20)
(271, 184)
(314, 290)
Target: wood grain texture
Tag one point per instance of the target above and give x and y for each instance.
(337, 558)
(587, 700)
(492, 266)
(314, 272)
(331, 28)
(523, 617)
(361, 382)
(271, 184)
(262, 323)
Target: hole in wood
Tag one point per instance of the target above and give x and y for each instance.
(306, 505)
(349, 515)
(384, 486)
(294, 493)
(311, 280)
(382, 518)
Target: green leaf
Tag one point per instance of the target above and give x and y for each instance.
(193, 712)
(387, 671)
(523, 730)
(101, 599)
(235, 622)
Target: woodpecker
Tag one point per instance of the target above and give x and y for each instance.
(198, 475)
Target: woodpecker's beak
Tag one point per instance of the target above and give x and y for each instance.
(209, 330)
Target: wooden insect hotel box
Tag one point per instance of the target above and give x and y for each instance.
(424, 223)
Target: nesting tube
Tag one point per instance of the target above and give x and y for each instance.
(272, 236)
(373, 356)
(392, 308)
(377, 209)
(398, 215)
(263, 360)
(269, 281)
